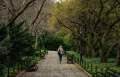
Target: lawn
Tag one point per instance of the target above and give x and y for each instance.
(95, 62)
(110, 64)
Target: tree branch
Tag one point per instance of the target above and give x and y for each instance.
(21, 11)
(118, 2)
(63, 24)
(100, 12)
(112, 7)
(39, 11)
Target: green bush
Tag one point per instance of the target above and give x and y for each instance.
(16, 45)
(73, 55)
(52, 42)
(95, 62)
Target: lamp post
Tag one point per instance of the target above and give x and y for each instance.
(9, 46)
(8, 65)
(81, 48)
(81, 42)
(43, 40)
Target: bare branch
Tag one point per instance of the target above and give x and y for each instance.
(100, 12)
(112, 7)
(21, 11)
(39, 11)
(118, 2)
(63, 24)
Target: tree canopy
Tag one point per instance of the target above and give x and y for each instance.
(94, 24)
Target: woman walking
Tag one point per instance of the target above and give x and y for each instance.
(60, 53)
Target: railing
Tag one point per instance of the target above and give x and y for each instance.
(95, 71)
(13, 70)
(99, 72)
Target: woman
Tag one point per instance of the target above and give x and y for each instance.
(60, 53)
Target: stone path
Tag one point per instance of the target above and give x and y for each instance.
(50, 67)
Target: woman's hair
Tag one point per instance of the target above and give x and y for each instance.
(60, 46)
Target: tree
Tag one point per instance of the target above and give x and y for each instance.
(92, 25)
(16, 44)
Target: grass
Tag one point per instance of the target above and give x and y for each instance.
(110, 64)
(96, 62)
(35, 58)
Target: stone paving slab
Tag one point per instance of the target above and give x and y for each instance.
(50, 67)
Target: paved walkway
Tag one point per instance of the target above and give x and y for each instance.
(50, 67)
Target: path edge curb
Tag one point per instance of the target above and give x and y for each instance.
(20, 74)
(77, 65)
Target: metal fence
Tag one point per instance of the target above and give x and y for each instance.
(95, 70)
(13, 69)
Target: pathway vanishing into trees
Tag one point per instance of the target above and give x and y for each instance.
(50, 67)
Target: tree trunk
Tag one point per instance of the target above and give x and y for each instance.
(103, 60)
(118, 58)
(93, 53)
(36, 42)
(103, 56)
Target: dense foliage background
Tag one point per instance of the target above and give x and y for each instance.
(52, 42)
(94, 26)
(88, 28)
